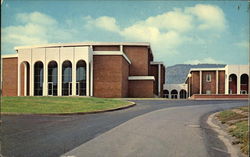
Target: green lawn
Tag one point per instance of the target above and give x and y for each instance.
(238, 125)
(47, 105)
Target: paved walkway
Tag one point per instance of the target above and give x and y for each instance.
(166, 132)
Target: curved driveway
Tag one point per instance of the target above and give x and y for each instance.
(164, 132)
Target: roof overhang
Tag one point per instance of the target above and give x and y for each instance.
(112, 53)
(9, 56)
(132, 78)
(156, 63)
(85, 44)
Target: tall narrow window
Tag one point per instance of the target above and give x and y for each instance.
(66, 78)
(81, 78)
(244, 84)
(38, 79)
(52, 78)
(208, 78)
(233, 84)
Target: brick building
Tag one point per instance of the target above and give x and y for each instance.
(231, 80)
(100, 69)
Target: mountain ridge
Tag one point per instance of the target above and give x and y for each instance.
(177, 74)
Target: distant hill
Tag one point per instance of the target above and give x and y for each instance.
(177, 74)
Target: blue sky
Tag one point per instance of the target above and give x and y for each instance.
(179, 31)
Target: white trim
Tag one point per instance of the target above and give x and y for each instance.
(155, 63)
(204, 69)
(112, 53)
(200, 82)
(217, 82)
(141, 78)
(9, 56)
(159, 80)
(85, 44)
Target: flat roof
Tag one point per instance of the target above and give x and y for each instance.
(9, 56)
(84, 44)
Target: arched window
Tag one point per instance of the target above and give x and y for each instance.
(165, 93)
(244, 84)
(183, 94)
(174, 94)
(38, 79)
(66, 78)
(232, 84)
(81, 78)
(52, 78)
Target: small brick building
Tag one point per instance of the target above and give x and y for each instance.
(219, 82)
(100, 69)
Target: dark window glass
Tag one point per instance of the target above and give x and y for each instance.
(52, 78)
(38, 79)
(81, 78)
(66, 78)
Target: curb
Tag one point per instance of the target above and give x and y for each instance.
(75, 113)
(222, 135)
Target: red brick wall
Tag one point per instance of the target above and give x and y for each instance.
(233, 85)
(220, 96)
(106, 48)
(125, 74)
(154, 72)
(141, 89)
(195, 83)
(221, 82)
(209, 85)
(9, 74)
(108, 78)
(138, 56)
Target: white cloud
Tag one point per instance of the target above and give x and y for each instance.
(169, 30)
(209, 16)
(104, 22)
(36, 17)
(207, 60)
(35, 28)
(243, 44)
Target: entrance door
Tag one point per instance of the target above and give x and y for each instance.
(78, 88)
(70, 88)
(50, 88)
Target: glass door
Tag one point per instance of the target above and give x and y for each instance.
(78, 88)
(70, 88)
(50, 88)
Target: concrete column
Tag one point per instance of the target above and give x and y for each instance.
(159, 80)
(25, 79)
(226, 84)
(200, 82)
(91, 78)
(189, 90)
(238, 84)
(217, 82)
(18, 79)
(87, 79)
(31, 79)
(59, 76)
(45, 79)
(121, 48)
(74, 78)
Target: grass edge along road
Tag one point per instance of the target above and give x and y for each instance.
(57, 105)
(236, 122)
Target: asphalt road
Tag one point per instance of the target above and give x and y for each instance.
(51, 136)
